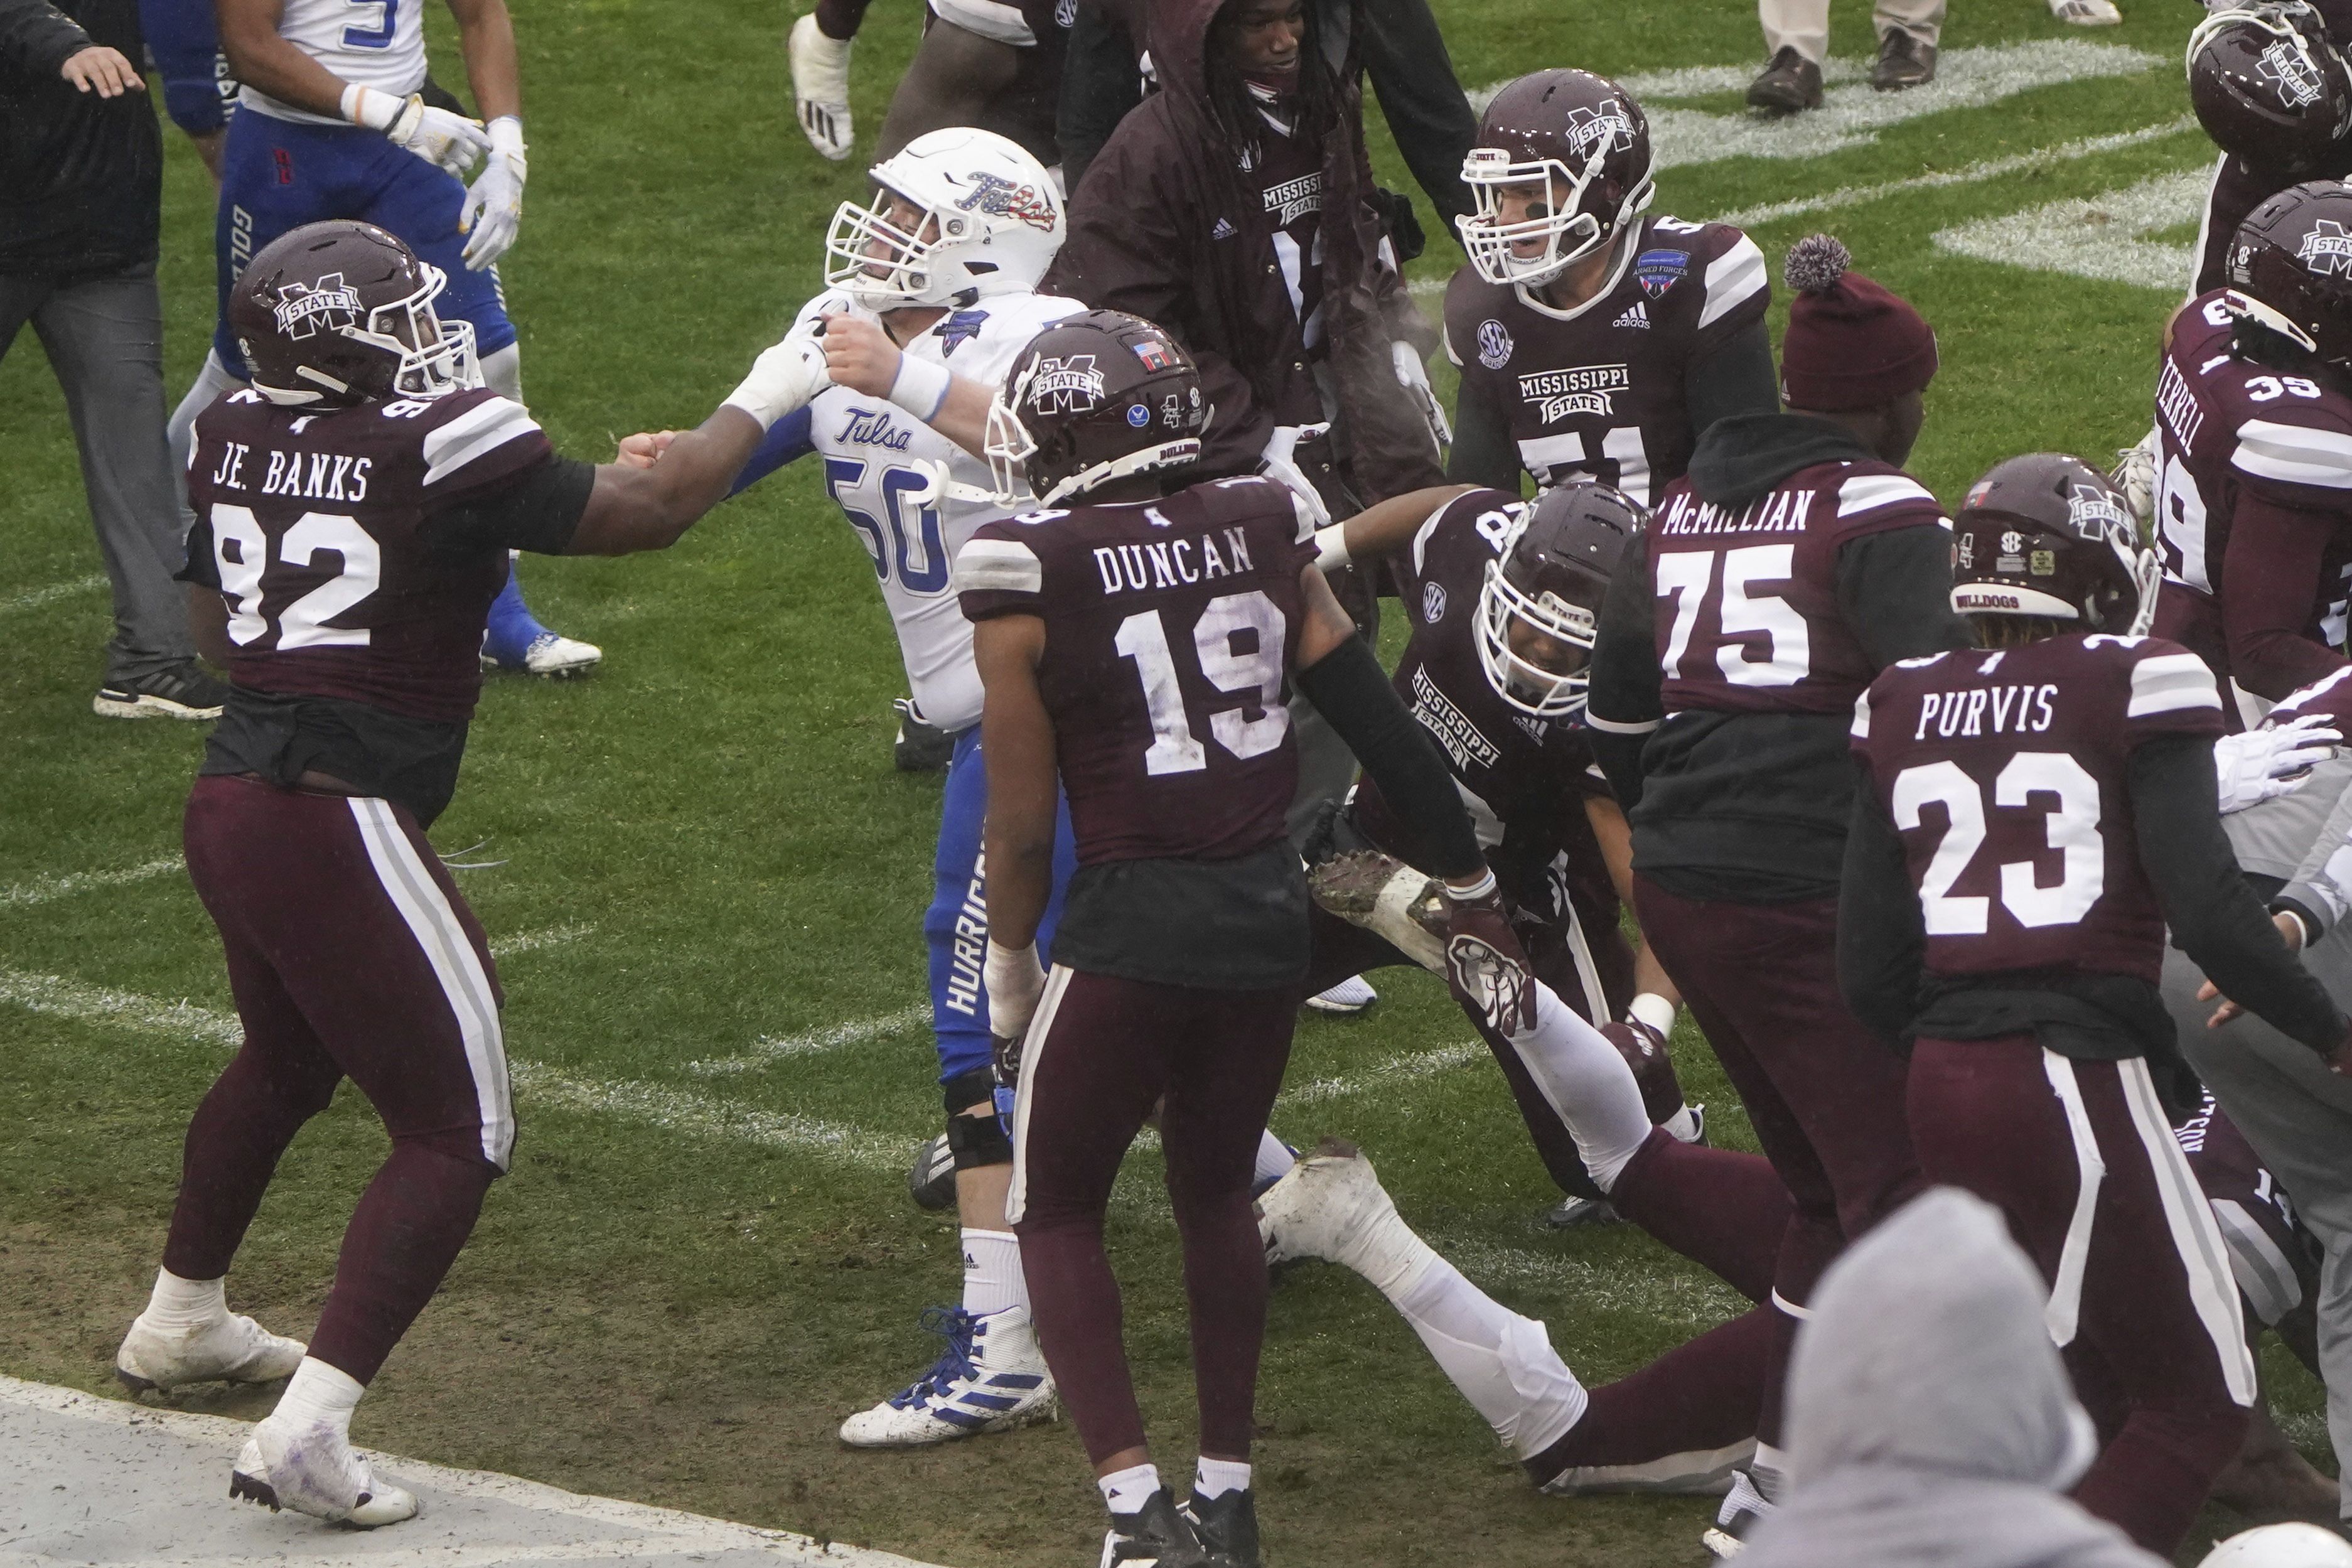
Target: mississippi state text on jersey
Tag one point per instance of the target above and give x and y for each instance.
(2006, 775)
(1599, 391)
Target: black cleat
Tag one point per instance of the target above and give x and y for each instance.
(1156, 1535)
(920, 747)
(179, 691)
(1790, 83)
(1226, 1526)
(931, 1183)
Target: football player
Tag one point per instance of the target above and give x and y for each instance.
(2270, 84)
(1134, 639)
(994, 64)
(818, 46)
(334, 123)
(1593, 342)
(2032, 818)
(198, 90)
(1794, 561)
(2253, 487)
(355, 506)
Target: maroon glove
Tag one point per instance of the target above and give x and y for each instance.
(1484, 962)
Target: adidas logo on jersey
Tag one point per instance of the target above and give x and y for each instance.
(1639, 316)
(1225, 230)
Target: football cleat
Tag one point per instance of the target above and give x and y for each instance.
(547, 654)
(1156, 1535)
(1345, 1000)
(1388, 897)
(821, 86)
(229, 1349)
(311, 1468)
(1570, 1212)
(1226, 1527)
(1743, 1509)
(931, 1183)
(1332, 1206)
(990, 1377)
(2086, 13)
(179, 691)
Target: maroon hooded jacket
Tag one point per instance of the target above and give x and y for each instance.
(1167, 226)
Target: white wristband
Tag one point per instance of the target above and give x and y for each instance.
(1332, 547)
(921, 387)
(1652, 1009)
(505, 136)
(366, 107)
(1478, 890)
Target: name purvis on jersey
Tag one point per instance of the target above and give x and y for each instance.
(879, 468)
(371, 43)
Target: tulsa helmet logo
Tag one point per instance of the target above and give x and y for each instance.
(304, 308)
(2327, 248)
(1604, 128)
(999, 197)
(1071, 385)
(2291, 74)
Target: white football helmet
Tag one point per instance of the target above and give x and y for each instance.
(990, 220)
(2281, 1546)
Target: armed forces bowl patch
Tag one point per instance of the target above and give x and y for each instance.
(1659, 271)
(1494, 345)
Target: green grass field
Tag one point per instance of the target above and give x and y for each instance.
(705, 858)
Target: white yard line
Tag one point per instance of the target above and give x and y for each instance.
(56, 995)
(52, 594)
(2097, 236)
(1403, 1068)
(1662, 1299)
(534, 941)
(776, 1047)
(42, 890)
(682, 1110)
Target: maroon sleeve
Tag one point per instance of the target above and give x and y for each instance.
(1736, 289)
(476, 444)
(1001, 571)
(2270, 586)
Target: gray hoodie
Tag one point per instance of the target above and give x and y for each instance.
(1929, 1417)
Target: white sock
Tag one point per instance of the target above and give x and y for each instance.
(1216, 1478)
(992, 1272)
(1274, 1160)
(1503, 1363)
(1128, 1490)
(177, 1305)
(1588, 1083)
(1770, 1472)
(1683, 1126)
(320, 1392)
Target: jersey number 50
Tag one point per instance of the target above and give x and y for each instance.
(922, 562)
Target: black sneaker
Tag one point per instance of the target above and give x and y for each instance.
(1903, 61)
(1226, 1526)
(179, 691)
(920, 747)
(931, 1183)
(1155, 1536)
(1790, 82)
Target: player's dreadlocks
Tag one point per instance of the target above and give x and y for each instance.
(1237, 111)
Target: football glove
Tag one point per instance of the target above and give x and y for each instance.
(1484, 962)
(492, 215)
(1280, 461)
(2134, 475)
(783, 379)
(444, 140)
(1413, 376)
(1015, 983)
(2256, 765)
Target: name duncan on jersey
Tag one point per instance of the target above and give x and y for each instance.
(1132, 566)
(1775, 512)
(305, 476)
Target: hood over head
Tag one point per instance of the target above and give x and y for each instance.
(1180, 41)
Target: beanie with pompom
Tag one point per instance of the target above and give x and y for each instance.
(1851, 343)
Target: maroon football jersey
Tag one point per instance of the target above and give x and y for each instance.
(1524, 779)
(2330, 694)
(2275, 1260)
(2006, 775)
(1598, 392)
(1170, 629)
(1747, 613)
(1023, 110)
(313, 525)
(1289, 178)
(2227, 426)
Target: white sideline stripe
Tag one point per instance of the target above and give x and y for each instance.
(2097, 237)
(659, 1531)
(63, 998)
(1985, 169)
(42, 890)
(776, 1047)
(52, 594)
(1402, 1068)
(1694, 1301)
(535, 941)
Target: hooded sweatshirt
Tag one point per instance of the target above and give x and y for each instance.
(1929, 1417)
(1169, 225)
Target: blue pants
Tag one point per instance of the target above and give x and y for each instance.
(276, 175)
(956, 926)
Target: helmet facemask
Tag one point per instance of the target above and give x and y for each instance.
(1006, 443)
(1565, 231)
(426, 355)
(1524, 641)
(879, 260)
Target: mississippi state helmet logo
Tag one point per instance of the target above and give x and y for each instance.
(302, 309)
(1071, 385)
(2291, 74)
(2095, 512)
(2327, 248)
(1604, 128)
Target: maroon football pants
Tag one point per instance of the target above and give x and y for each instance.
(2081, 1159)
(1101, 1052)
(351, 953)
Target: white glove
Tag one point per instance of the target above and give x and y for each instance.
(2134, 475)
(1279, 461)
(492, 215)
(2261, 764)
(783, 379)
(444, 140)
(1413, 376)
(1015, 983)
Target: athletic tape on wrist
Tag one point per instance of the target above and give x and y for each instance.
(921, 387)
(1651, 1009)
(1332, 547)
(1477, 890)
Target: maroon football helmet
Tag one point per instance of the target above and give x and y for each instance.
(1561, 165)
(341, 312)
(1095, 397)
(1546, 586)
(2047, 536)
(2291, 280)
(2268, 84)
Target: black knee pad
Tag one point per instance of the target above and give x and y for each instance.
(978, 1140)
(968, 1089)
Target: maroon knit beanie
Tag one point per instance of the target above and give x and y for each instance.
(1851, 343)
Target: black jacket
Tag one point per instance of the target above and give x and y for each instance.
(81, 177)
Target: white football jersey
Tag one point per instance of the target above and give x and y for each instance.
(871, 450)
(373, 42)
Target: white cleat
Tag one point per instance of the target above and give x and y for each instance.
(1345, 999)
(552, 654)
(1332, 1206)
(2086, 13)
(821, 86)
(1743, 1509)
(992, 1377)
(313, 1468)
(1388, 897)
(229, 1349)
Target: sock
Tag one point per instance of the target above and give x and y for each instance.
(1128, 1490)
(513, 628)
(1409, 1256)
(992, 1272)
(1588, 1084)
(1503, 1363)
(1216, 1478)
(1275, 1158)
(1770, 1472)
(320, 1392)
(179, 1305)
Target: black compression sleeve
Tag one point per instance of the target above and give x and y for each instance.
(1348, 689)
(1483, 450)
(1625, 704)
(539, 511)
(1737, 378)
(1881, 936)
(1895, 589)
(2215, 918)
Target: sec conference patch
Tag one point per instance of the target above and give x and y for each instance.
(1494, 345)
